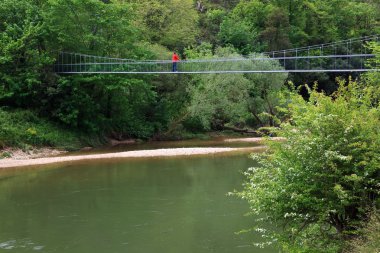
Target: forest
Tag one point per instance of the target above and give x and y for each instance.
(88, 108)
(330, 120)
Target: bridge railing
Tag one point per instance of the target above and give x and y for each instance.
(337, 63)
(347, 55)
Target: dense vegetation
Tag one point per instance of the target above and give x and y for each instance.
(34, 31)
(321, 185)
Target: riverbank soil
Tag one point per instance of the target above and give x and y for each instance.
(18, 158)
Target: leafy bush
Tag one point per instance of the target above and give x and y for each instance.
(21, 127)
(5, 154)
(218, 100)
(320, 184)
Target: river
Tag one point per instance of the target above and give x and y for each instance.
(145, 205)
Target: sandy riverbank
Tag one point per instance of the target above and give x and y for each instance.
(44, 156)
(254, 139)
(12, 163)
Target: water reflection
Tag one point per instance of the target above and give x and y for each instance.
(22, 244)
(153, 205)
(214, 142)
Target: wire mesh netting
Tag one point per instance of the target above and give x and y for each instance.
(342, 56)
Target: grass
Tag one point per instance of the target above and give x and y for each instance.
(23, 128)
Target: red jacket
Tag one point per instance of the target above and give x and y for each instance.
(175, 58)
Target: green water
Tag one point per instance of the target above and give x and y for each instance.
(155, 205)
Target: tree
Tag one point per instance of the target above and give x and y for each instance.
(23, 59)
(170, 23)
(265, 93)
(373, 78)
(210, 26)
(110, 104)
(181, 29)
(92, 27)
(33, 32)
(221, 101)
(225, 4)
(239, 35)
(276, 31)
(241, 28)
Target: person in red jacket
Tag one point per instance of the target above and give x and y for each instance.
(175, 59)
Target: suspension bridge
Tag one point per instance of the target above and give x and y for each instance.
(342, 56)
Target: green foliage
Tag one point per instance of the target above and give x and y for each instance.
(170, 23)
(5, 154)
(265, 94)
(111, 104)
(21, 127)
(116, 106)
(238, 34)
(218, 100)
(219, 4)
(242, 27)
(279, 24)
(276, 32)
(369, 242)
(320, 184)
(32, 32)
(373, 78)
(203, 51)
(22, 61)
(210, 25)
(91, 26)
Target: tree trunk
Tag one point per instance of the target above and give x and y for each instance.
(239, 130)
(271, 111)
(257, 118)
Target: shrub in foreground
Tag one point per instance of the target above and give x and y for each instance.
(320, 184)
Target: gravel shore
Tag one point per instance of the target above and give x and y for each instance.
(12, 163)
(254, 139)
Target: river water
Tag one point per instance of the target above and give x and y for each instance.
(176, 205)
